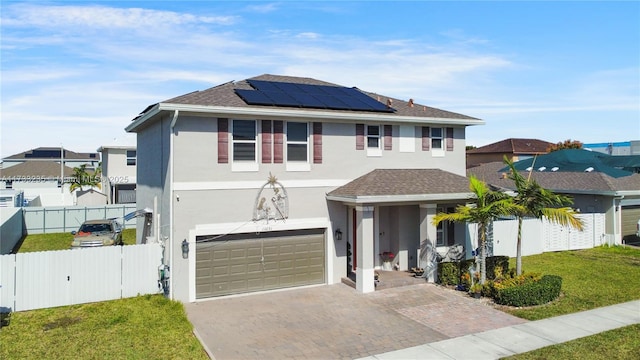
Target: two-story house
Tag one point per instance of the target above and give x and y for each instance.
(278, 181)
(513, 148)
(119, 173)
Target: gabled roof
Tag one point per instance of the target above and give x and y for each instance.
(514, 146)
(403, 185)
(565, 182)
(52, 153)
(36, 170)
(223, 99)
(578, 160)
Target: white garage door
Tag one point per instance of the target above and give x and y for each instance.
(241, 263)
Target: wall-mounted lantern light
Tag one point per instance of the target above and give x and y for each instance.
(185, 249)
(338, 234)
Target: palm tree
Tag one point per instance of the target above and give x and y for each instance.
(488, 206)
(538, 202)
(82, 178)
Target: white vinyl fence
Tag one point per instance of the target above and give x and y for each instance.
(539, 236)
(56, 278)
(41, 220)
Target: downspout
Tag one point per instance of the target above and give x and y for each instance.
(615, 220)
(171, 244)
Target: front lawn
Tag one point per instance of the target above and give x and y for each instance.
(62, 241)
(590, 278)
(144, 327)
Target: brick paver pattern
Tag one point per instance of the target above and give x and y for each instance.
(336, 322)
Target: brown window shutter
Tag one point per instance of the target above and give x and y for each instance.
(223, 141)
(266, 141)
(449, 139)
(317, 143)
(388, 137)
(278, 140)
(359, 136)
(426, 138)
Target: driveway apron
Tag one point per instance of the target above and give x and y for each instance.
(336, 322)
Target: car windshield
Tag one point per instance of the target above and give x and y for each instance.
(95, 228)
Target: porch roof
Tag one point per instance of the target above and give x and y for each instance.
(403, 185)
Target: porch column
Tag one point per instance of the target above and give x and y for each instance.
(364, 252)
(428, 233)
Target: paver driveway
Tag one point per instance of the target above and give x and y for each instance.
(336, 322)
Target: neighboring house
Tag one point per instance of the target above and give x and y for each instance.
(90, 197)
(278, 181)
(40, 182)
(119, 173)
(53, 155)
(588, 177)
(615, 148)
(513, 149)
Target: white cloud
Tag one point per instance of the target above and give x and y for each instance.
(101, 17)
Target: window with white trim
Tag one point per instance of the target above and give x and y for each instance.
(297, 141)
(131, 157)
(372, 133)
(437, 138)
(244, 145)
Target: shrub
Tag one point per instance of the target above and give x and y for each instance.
(452, 273)
(527, 290)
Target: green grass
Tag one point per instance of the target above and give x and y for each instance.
(62, 241)
(144, 327)
(622, 343)
(590, 278)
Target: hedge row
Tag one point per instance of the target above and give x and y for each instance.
(531, 292)
(449, 273)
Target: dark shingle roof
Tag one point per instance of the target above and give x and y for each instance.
(402, 182)
(48, 153)
(224, 95)
(40, 169)
(514, 146)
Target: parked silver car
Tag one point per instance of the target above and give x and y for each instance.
(94, 233)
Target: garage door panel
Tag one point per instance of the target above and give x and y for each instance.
(244, 265)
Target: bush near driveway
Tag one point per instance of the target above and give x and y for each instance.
(144, 327)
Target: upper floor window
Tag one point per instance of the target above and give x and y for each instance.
(436, 138)
(131, 157)
(373, 137)
(244, 140)
(297, 141)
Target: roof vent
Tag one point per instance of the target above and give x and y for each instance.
(555, 168)
(529, 168)
(410, 102)
(589, 169)
(504, 175)
(389, 102)
(542, 168)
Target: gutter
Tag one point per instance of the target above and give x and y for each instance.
(174, 120)
(385, 199)
(267, 113)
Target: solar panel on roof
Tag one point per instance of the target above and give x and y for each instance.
(309, 96)
(254, 97)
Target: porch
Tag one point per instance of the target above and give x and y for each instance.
(388, 279)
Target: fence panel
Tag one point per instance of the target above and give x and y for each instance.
(142, 276)
(39, 220)
(7, 282)
(57, 278)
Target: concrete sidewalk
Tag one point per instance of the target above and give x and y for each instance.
(515, 339)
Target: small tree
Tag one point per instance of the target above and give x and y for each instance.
(488, 206)
(567, 144)
(538, 202)
(81, 178)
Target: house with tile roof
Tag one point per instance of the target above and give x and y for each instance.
(598, 183)
(278, 181)
(513, 148)
(53, 155)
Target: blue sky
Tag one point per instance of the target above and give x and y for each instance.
(75, 73)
